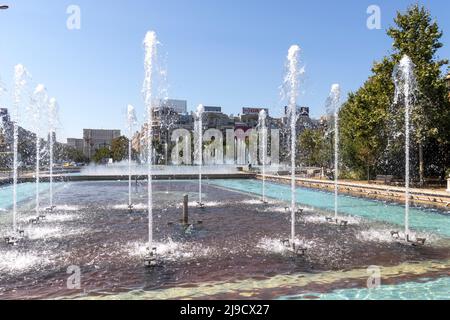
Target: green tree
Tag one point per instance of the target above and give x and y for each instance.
(417, 35)
(314, 148)
(368, 139)
(101, 154)
(75, 155)
(363, 118)
(119, 148)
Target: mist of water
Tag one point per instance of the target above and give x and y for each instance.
(333, 106)
(38, 103)
(199, 137)
(405, 88)
(131, 121)
(263, 129)
(150, 48)
(53, 122)
(21, 79)
(292, 86)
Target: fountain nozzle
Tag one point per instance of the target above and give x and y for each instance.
(293, 248)
(14, 239)
(50, 209)
(201, 205)
(150, 260)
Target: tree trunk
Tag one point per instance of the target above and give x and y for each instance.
(421, 166)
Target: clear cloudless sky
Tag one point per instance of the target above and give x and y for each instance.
(229, 53)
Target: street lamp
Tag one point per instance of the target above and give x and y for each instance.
(4, 7)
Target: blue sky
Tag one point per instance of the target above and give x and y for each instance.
(228, 53)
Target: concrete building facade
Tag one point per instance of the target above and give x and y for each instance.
(94, 139)
(77, 144)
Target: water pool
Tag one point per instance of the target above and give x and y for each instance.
(420, 219)
(426, 289)
(25, 191)
(237, 247)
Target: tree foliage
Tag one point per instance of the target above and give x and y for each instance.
(368, 140)
(101, 155)
(75, 155)
(119, 148)
(314, 148)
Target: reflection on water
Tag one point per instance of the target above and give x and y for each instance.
(421, 219)
(235, 239)
(426, 289)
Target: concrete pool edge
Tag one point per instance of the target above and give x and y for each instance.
(251, 288)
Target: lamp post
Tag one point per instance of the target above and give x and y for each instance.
(4, 7)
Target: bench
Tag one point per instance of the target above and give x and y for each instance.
(434, 181)
(384, 179)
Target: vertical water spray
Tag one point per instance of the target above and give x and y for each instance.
(263, 127)
(38, 103)
(150, 47)
(21, 78)
(131, 121)
(333, 106)
(292, 85)
(53, 119)
(405, 87)
(199, 134)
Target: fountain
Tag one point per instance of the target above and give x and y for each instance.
(131, 121)
(263, 127)
(292, 83)
(405, 88)
(38, 103)
(333, 107)
(150, 47)
(53, 122)
(21, 78)
(199, 152)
